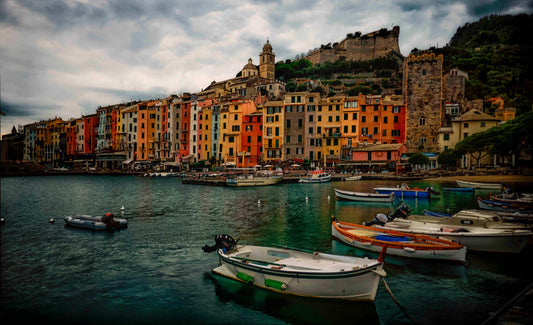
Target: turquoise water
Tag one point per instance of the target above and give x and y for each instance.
(155, 271)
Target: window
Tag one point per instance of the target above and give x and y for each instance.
(345, 116)
(300, 123)
(384, 133)
(396, 119)
(446, 136)
(396, 109)
(422, 121)
(364, 131)
(300, 138)
(353, 129)
(288, 139)
(385, 119)
(363, 119)
(354, 116)
(231, 139)
(288, 124)
(310, 118)
(482, 124)
(395, 133)
(337, 118)
(310, 130)
(277, 132)
(376, 118)
(345, 129)
(465, 125)
(376, 130)
(269, 132)
(330, 118)
(347, 104)
(236, 117)
(319, 129)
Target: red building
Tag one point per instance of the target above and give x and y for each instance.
(251, 140)
(71, 139)
(379, 156)
(184, 109)
(90, 134)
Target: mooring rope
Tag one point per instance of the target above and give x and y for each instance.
(396, 300)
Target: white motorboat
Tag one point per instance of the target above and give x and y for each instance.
(474, 238)
(253, 180)
(353, 178)
(364, 196)
(484, 186)
(301, 273)
(316, 176)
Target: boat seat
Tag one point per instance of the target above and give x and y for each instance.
(362, 232)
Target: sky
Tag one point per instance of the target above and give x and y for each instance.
(65, 58)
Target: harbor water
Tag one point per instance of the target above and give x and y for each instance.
(155, 271)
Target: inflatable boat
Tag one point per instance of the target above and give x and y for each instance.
(107, 222)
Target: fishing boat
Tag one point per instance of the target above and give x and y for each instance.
(484, 186)
(364, 196)
(107, 222)
(525, 201)
(299, 272)
(474, 238)
(316, 176)
(458, 189)
(505, 216)
(353, 178)
(470, 217)
(404, 190)
(493, 205)
(398, 243)
(253, 180)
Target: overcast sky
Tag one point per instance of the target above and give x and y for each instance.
(66, 58)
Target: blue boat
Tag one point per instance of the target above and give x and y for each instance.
(458, 189)
(406, 191)
(436, 214)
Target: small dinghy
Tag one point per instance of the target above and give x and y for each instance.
(106, 222)
(298, 272)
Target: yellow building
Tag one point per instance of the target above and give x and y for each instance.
(329, 125)
(350, 122)
(273, 125)
(469, 123)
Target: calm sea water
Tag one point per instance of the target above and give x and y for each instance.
(155, 271)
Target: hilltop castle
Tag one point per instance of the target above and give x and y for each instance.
(357, 47)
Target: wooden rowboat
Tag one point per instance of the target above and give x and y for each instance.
(364, 196)
(398, 243)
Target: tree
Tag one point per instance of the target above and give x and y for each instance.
(418, 159)
(476, 145)
(447, 159)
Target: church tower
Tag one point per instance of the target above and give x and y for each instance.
(267, 65)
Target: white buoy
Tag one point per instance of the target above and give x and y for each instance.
(258, 201)
(122, 209)
(328, 197)
(51, 220)
(306, 198)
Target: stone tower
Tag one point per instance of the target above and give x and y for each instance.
(424, 95)
(267, 64)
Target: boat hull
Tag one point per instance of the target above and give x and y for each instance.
(501, 206)
(315, 180)
(255, 181)
(351, 284)
(449, 252)
(400, 193)
(364, 197)
(487, 240)
(91, 222)
(484, 186)
(458, 189)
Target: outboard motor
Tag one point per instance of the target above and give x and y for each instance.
(432, 191)
(401, 211)
(224, 242)
(380, 219)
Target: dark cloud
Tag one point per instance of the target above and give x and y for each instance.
(480, 8)
(25, 110)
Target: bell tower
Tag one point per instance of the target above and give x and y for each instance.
(267, 65)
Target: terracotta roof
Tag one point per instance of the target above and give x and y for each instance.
(476, 115)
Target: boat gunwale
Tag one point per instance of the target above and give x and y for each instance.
(298, 274)
(446, 244)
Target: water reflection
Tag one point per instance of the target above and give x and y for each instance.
(293, 309)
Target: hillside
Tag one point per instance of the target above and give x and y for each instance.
(495, 51)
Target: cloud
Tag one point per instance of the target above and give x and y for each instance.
(66, 58)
